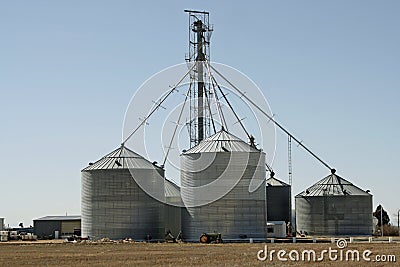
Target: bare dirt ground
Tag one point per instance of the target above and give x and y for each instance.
(182, 254)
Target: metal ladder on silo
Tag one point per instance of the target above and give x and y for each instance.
(290, 158)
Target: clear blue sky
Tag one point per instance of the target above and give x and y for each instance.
(330, 71)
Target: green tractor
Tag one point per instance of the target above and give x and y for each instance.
(207, 238)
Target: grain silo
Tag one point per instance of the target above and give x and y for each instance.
(334, 206)
(279, 203)
(172, 209)
(223, 163)
(114, 206)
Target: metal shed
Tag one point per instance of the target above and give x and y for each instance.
(57, 226)
(114, 205)
(279, 203)
(218, 161)
(276, 229)
(334, 206)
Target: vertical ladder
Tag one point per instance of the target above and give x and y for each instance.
(290, 158)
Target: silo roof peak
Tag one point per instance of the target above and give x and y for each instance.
(333, 185)
(222, 141)
(121, 158)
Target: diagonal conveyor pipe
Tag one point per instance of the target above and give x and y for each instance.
(272, 119)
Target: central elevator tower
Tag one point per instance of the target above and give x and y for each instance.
(199, 52)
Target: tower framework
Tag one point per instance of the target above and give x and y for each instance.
(200, 32)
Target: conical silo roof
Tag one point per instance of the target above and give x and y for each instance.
(121, 158)
(222, 141)
(171, 189)
(272, 181)
(333, 185)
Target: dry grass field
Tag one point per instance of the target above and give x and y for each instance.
(182, 254)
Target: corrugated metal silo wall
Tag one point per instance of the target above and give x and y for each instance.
(236, 215)
(114, 206)
(279, 204)
(334, 215)
(173, 217)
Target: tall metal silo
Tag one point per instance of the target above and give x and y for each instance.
(114, 206)
(238, 214)
(334, 206)
(279, 203)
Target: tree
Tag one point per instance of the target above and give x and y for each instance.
(385, 216)
(21, 225)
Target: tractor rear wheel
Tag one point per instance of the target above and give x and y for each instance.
(204, 239)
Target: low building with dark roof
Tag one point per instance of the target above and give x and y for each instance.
(50, 227)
